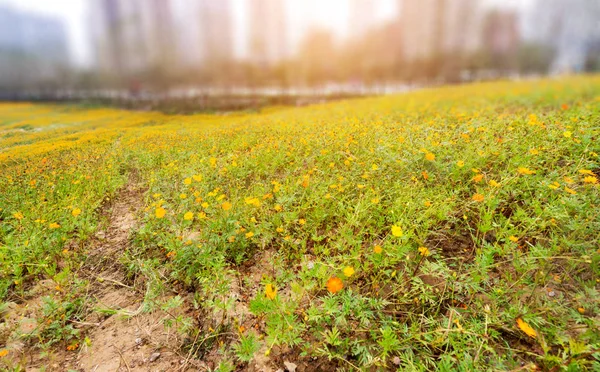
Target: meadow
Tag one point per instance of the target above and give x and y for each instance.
(447, 229)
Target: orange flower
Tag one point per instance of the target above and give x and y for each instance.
(478, 198)
(226, 206)
(334, 285)
(377, 249)
(430, 156)
(523, 326)
(477, 178)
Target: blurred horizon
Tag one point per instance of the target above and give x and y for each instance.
(164, 44)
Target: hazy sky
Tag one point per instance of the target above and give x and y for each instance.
(332, 14)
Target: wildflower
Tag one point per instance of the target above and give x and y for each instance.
(76, 212)
(171, 254)
(279, 229)
(513, 238)
(182, 196)
(334, 285)
(424, 251)
(375, 200)
(226, 206)
(526, 328)
(348, 271)
(477, 178)
(377, 249)
(305, 181)
(197, 178)
(270, 291)
(586, 172)
(205, 205)
(554, 185)
(567, 134)
(430, 156)
(425, 175)
(54, 225)
(397, 231)
(525, 171)
(590, 179)
(494, 183)
(187, 181)
(427, 204)
(478, 198)
(460, 163)
(160, 212)
(188, 216)
(534, 151)
(18, 215)
(201, 215)
(570, 191)
(253, 201)
(249, 234)
(278, 208)
(568, 179)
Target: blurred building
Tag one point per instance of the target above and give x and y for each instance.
(570, 27)
(205, 31)
(33, 48)
(430, 27)
(132, 37)
(361, 18)
(419, 20)
(268, 32)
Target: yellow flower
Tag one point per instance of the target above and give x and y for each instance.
(374, 167)
(253, 201)
(197, 178)
(478, 198)
(270, 291)
(201, 215)
(302, 221)
(586, 172)
(279, 229)
(76, 212)
(397, 231)
(523, 170)
(570, 191)
(204, 205)
(160, 212)
(348, 271)
(183, 196)
(568, 179)
(375, 200)
(226, 206)
(424, 251)
(278, 208)
(427, 204)
(18, 215)
(513, 238)
(567, 134)
(54, 225)
(430, 156)
(494, 183)
(554, 185)
(187, 181)
(377, 249)
(188, 216)
(460, 163)
(590, 179)
(249, 234)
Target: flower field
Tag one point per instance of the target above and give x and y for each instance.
(448, 229)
